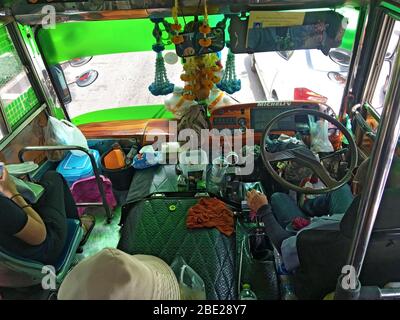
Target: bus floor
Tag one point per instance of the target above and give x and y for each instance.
(103, 235)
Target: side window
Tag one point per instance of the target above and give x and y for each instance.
(17, 97)
(383, 81)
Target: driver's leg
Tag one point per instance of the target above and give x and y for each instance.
(335, 202)
(340, 200)
(285, 209)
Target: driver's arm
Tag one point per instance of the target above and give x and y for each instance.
(258, 202)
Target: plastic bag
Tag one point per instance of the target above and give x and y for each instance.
(50, 139)
(29, 190)
(63, 132)
(147, 160)
(319, 135)
(191, 285)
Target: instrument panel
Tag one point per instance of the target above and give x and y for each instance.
(257, 115)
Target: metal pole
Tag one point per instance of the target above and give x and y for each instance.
(355, 58)
(391, 294)
(381, 45)
(378, 171)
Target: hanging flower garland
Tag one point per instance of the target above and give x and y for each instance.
(176, 27)
(200, 76)
(205, 29)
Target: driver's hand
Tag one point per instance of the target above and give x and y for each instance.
(256, 200)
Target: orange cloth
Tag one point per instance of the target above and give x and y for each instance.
(209, 213)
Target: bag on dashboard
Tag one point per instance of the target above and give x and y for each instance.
(63, 132)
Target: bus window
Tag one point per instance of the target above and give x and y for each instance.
(383, 81)
(113, 81)
(17, 97)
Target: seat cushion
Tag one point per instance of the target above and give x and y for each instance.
(158, 227)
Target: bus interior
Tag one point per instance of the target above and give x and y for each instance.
(155, 82)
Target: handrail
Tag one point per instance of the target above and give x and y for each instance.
(366, 127)
(378, 172)
(104, 203)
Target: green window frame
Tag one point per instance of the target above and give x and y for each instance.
(18, 99)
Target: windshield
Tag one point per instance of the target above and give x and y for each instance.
(107, 80)
(123, 80)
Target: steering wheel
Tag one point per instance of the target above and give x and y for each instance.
(304, 156)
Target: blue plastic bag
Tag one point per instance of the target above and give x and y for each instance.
(146, 160)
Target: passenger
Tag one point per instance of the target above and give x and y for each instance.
(112, 274)
(329, 208)
(37, 231)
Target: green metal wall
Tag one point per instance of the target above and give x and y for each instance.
(68, 41)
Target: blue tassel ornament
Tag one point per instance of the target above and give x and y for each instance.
(161, 85)
(229, 82)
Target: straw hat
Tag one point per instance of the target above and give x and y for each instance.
(115, 275)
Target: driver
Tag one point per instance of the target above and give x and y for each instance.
(327, 209)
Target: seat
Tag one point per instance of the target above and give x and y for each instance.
(323, 252)
(18, 272)
(157, 226)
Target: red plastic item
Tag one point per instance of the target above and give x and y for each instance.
(309, 95)
(299, 223)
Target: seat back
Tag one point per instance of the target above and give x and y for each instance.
(16, 271)
(158, 227)
(323, 253)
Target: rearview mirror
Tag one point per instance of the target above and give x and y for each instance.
(341, 57)
(60, 84)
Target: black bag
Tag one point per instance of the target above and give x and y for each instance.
(121, 178)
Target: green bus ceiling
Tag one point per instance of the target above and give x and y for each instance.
(125, 113)
(72, 40)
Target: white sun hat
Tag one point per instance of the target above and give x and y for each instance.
(112, 274)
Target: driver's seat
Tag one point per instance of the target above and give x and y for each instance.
(323, 252)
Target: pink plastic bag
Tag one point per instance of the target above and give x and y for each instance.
(87, 190)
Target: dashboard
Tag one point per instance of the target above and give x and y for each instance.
(257, 115)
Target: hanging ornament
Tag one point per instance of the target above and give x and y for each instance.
(171, 58)
(205, 29)
(176, 28)
(161, 84)
(230, 83)
(200, 77)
